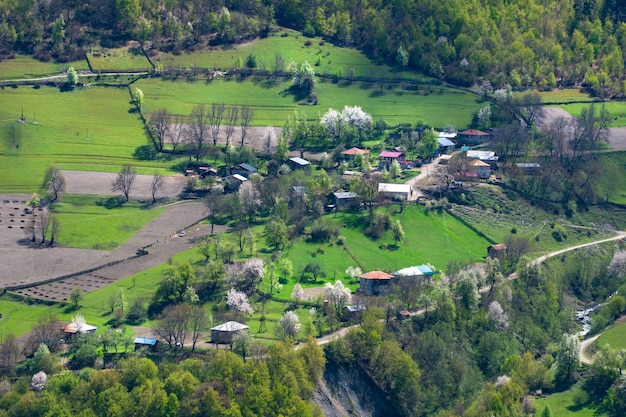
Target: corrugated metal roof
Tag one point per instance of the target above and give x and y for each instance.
(230, 326)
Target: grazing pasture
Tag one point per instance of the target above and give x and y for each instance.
(273, 103)
(27, 67)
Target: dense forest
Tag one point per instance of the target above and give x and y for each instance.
(527, 43)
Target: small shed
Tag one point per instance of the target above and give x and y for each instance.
(224, 332)
(353, 312)
(444, 159)
(346, 199)
(72, 329)
(244, 170)
(298, 163)
(497, 251)
(445, 145)
(149, 343)
(348, 175)
(394, 191)
(374, 282)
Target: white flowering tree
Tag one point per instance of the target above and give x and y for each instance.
(39, 381)
(336, 123)
(498, 315)
(79, 322)
(337, 295)
(353, 271)
(303, 75)
(239, 301)
(332, 123)
(288, 326)
(297, 293)
(250, 200)
(245, 276)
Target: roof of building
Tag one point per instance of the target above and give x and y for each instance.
(355, 151)
(355, 308)
(528, 165)
(473, 132)
(146, 341)
(384, 187)
(445, 142)
(239, 177)
(299, 161)
(499, 246)
(390, 154)
(465, 148)
(380, 275)
(477, 163)
(299, 188)
(84, 328)
(445, 157)
(350, 174)
(411, 271)
(247, 167)
(341, 195)
(483, 155)
(449, 135)
(230, 326)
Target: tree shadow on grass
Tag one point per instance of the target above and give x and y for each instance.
(111, 202)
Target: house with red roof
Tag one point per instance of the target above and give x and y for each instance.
(482, 169)
(472, 137)
(375, 283)
(387, 157)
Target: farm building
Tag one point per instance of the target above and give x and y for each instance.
(394, 191)
(298, 163)
(72, 329)
(348, 175)
(497, 251)
(528, 168)
(244, 170)
(472, 137)
(482, 169)
(374, 283)
(444, 159)
(149, 343)
(346, 200)
(446, 145)
(224, 332)
(353, 312)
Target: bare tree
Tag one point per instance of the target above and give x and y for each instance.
(245, 119)
(124, 180)
(55, 226)
(161, 123)
(232, 118)
(250, 200)
(198, 128)
(54, 182)
(157, 184)
(279, 62)
(178, 131)
(198, 323)
(43, 224)
(9, 354)
(172, 328)
(47, 331)
(216, 115)
(531, 105)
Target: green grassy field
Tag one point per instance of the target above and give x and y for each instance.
(326, 57)
(117, 59)
(272, 104)
(563, 95)
(88, 224)
(562, 404)
(615, 336)
(616, 109)
(85, 129)
(28, 67)
(613, 185)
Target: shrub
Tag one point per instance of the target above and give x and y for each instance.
(559, 233)
(323, 230)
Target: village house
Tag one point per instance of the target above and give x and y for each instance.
(482, 169)
(72, 329)
(445, 145)
(394, 191)
(233, 182)
(350, 154)
(489, 157)
(472, 137)
(415, 273)
(497, 251)
(375, 283)
(387, 158)
(148, 343)
(223, 334)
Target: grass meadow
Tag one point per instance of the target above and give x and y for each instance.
(117, 59)
(324, 56)
(85, 129)
(272, 104)
(614, 336)
(90, 225)
(617, 110)
(562, 95)
(562, 404)
(613, 186)
(27, 67)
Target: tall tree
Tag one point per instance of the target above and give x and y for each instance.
(54, 182)
(161, 123)
(156, 185)
(124, 181)
(216, 115)
(246, 115)
(232, 118)
(198, 129)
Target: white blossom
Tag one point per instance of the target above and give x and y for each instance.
(498, 315)
(244, 276)
(289, 324)
(355, 116)
(331, 121)
(79, 322)
(239, 301)
(502, 379)
(337, 295)
(39, 381)
(298, 292)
